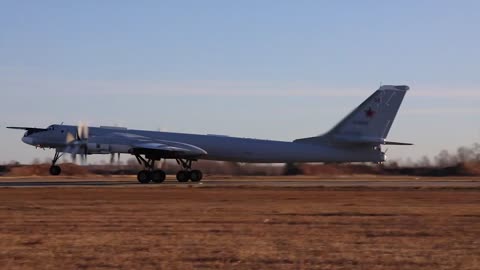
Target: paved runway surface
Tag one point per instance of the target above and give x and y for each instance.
(256, 182)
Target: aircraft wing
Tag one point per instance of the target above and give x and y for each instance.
(397, 143)
(159, 147)
(167, 149)
(28, 128)
(144, 145)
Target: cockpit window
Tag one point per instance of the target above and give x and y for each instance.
(31, 131)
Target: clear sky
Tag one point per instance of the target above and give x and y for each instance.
(266, 69)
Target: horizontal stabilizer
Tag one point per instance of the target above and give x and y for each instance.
(351, 140)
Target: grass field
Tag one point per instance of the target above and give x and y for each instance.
(238, 228)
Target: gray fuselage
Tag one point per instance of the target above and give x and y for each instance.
(222, 148)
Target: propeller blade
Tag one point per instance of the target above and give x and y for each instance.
(85, 132)
(112, 158)
(84, 129)
(82, 159)
(75, 149)
(85, 153)
(79, 131)
(70, 138)
(77, 144)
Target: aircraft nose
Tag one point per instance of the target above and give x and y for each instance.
(27, 140)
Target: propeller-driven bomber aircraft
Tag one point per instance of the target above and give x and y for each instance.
(357, 138)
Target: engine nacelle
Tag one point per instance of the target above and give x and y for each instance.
(105, 148)
(98, 148)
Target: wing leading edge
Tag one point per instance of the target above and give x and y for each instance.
(156, 148)
(167, 149)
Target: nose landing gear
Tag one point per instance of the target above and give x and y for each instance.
(55, 169)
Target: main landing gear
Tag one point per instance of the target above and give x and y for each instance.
(55, 169)
(149, 174)
(187, 173)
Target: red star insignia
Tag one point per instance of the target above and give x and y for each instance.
(370, 113)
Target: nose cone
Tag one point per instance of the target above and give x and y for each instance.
(27, 140)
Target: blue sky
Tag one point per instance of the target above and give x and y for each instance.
(266, 69)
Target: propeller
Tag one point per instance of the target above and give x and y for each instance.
(77, 143)
(112, 158)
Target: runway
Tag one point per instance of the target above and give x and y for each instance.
(362, 222)
(246, 182)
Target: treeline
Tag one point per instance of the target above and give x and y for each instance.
(464, 162)
(463, 155)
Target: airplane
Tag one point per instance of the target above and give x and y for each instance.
(356, 138)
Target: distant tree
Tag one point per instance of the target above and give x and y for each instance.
(476, 151)
(14, 163)
(409, 162)
(444, 159)
(36, 161)
(394, 164)
(465, 154)
(424, 162)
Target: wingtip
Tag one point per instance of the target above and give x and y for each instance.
(397, 143)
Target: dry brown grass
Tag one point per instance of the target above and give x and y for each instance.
(68, 169)
(238, 228)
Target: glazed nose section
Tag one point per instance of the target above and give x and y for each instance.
(28, 140)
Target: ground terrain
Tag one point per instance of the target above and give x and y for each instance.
(239, 227)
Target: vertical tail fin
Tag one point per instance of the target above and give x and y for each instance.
(370, 122)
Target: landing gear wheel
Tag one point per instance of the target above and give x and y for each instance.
(158, 176)
(144, 177)
(183, 176)
(55, 170)
(196, 176)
